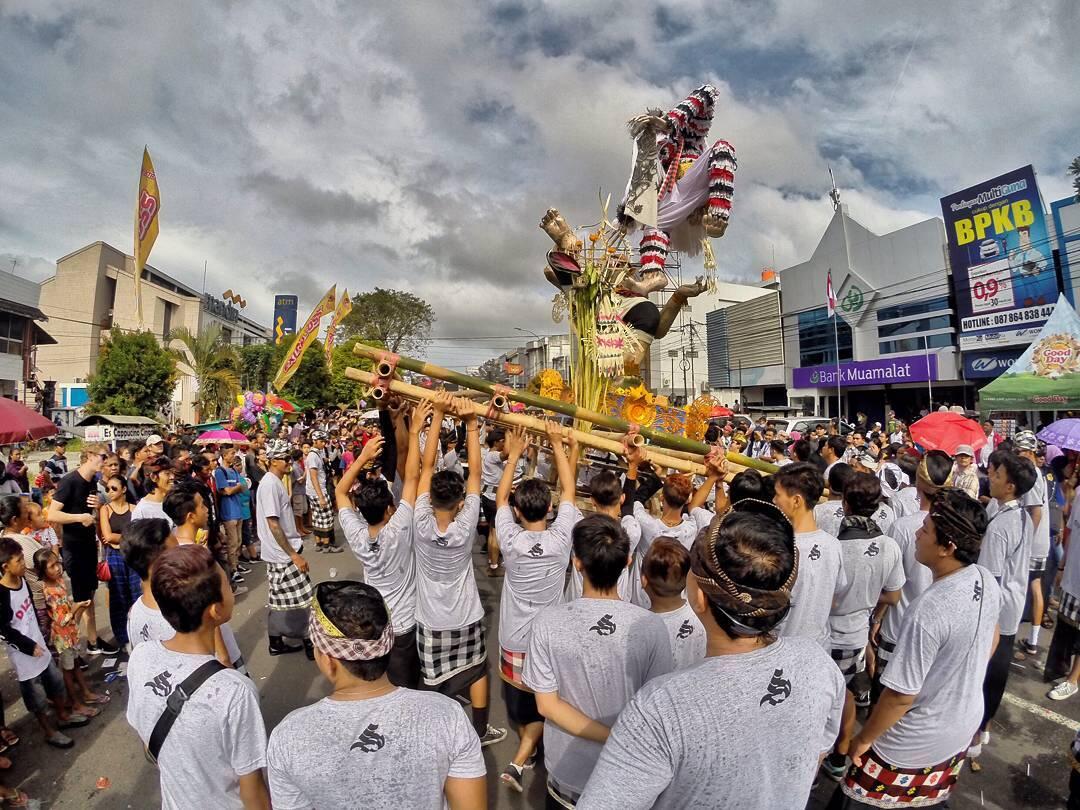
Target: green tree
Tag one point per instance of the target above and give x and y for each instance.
(257, 366)
(135, 376)
(1074, 170)
(213, 363)
(310, 385)
(399, 320)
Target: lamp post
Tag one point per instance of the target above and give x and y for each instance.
(542, 342)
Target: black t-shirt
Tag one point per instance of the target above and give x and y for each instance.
(72, 492)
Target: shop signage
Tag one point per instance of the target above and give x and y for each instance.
(1002, 269)
(996, 340)
(119, 433)
(988, 365)
(902, 369)
(220, 309)
(853, 299)
(284, 316)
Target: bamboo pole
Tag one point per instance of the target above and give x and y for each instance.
(415, 392)
(657, 437)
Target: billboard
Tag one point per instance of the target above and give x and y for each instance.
(999, 250)
(900, 369)
(284, 316)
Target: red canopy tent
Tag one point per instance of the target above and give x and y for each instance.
(19, 424)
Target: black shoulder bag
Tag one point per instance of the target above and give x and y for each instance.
(175, 702)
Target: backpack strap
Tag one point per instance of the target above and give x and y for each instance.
(175, 702)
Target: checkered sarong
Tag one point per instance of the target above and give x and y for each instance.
(879, 784)
(1037, 565)
(445, 653)
(322, 519)
(511, 665)
(851, 662)
(1069, 609)
(289, 587)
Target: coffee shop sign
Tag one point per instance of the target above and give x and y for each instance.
(220, 309)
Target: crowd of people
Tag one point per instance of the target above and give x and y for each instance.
(853, 616)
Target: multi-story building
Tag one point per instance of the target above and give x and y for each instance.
(93, 292)
(20, 337)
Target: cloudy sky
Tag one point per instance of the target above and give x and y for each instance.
(416, 144)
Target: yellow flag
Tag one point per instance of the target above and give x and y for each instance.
(147, 207)
(344, 307)
(303, 339)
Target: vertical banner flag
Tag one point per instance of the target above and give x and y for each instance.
(343, 309)
(830, 296)
(303, 339)
(147, 206)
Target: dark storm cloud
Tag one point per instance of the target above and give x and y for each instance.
(298, 197)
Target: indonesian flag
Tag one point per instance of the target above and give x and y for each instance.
(830, 296)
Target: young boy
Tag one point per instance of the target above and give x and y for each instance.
(143, 542)
(449, 615)
(588, 657)
(663, 578)
(370, 743)
(828, 514)
(616, 500)
(536, 558)
(821, 565)
(215, 750)
(322, 514)
(30, 657)
(381, 537)
(493, 462)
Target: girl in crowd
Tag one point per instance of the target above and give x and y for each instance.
(124, 584)
(158, 475)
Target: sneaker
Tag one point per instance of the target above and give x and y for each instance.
(492, 735)
(862, 699)
(835, 766)
(237, 577)
(102, 648)
(512, 777)
(333, 549)
(279, 647)
(59, 740)
(81, 663)
(239, 588)
(530, 763)
(1029, 648)
(1065, 689)
(251, 560)
(242, 568)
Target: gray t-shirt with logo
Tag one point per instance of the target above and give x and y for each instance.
(629, 584)
(872, 565)
(1005, 553)
(821, 579)
(396, 750)
(686, 634)
(739, 731)
(828, 515)
(446, 594)
(941, 656)
(918, 575)
(389, 565)
(535, 571)
(596, 653)
(218, 737)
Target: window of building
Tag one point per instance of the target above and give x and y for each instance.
(168, 318)
(817, 341)
(915, 343)
(914, 327)
(11, 334)
(913, 308)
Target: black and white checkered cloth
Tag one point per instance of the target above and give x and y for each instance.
(289, 587)
(851, 662)
(1037, 565)
(322, 518)
(445, 653)
(1069, 609)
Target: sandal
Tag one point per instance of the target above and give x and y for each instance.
(15, 799)
(87, 712)
(99, 700)
(9, 737)
(75, 720)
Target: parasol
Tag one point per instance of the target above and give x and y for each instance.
(1065, 433)
(222, 437)
(20, 424)
(720, 411)
(945, 430)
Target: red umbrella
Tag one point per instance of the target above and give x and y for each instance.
(720, 411)
(20, 423)
(945, 430)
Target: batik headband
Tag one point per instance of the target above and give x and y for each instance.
(332, 642)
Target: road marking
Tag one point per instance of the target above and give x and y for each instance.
(1042, 711)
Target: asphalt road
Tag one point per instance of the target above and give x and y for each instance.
(1025, 766)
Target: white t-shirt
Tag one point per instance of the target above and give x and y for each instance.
(446, 594)
(884, 517)
(314, 461)
(389, 565)
(145, 623)
(918, 575)
(396, 750)
(629, 585)
(491, 470)
(905, 502)
(736, 731)
(872, 565)
(1040, 535)
(821, 579)
(1005, 553)
(217, 738)
(271, 500)
(686, 634)
(535, 570)
(828, 515)
(596, 653)
(24, 620)
(941, 657)
(147, 508)
(686, 532)
(1070, 580)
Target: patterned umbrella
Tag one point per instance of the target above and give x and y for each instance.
(1065, 433)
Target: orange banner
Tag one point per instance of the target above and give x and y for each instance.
(343, 309)
(147, 206)
(303, 339)
(513, 368)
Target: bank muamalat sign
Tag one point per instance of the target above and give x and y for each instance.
(908, 368)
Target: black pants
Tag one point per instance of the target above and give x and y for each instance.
(997, 675)
(404, 668)
(1074, 790)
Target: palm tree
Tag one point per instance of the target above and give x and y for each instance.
(1074, 170)
(213, 363)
